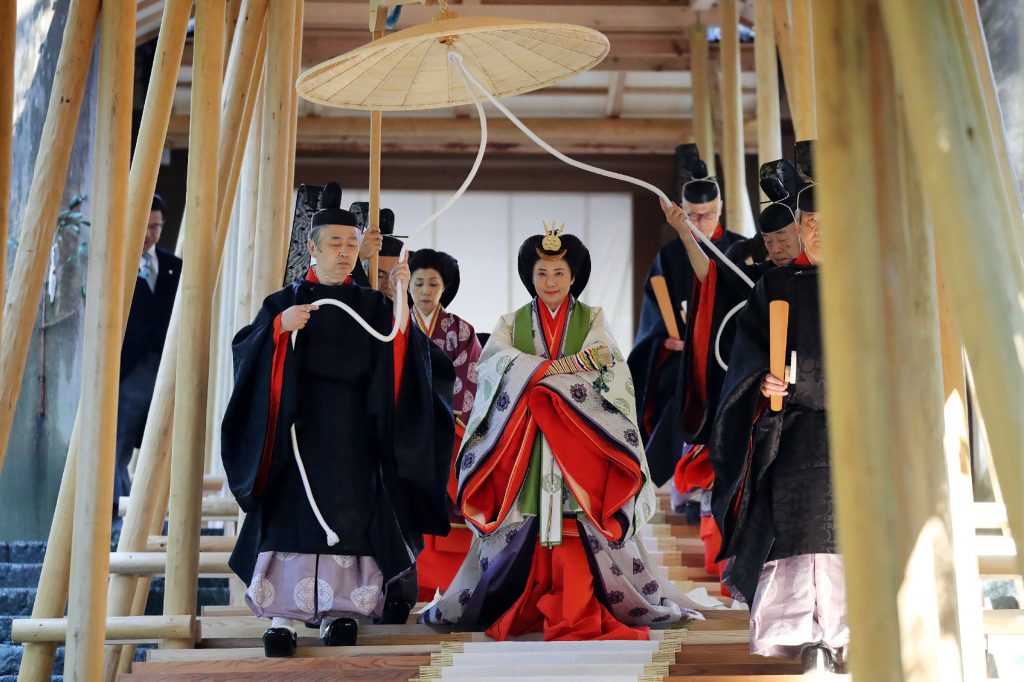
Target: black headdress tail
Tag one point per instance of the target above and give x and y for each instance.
(804, 155)
(445, 265)
(778, 180)
(576, 255)
(692, 174)
(331, 212)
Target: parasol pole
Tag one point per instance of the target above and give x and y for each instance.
(376, 120)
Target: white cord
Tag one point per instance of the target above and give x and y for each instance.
(456, 58)
(332, 537)
(718, 339)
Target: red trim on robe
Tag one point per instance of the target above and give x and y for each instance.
(649, 417)
(695, 397)
(803, 259)
(281, 339)
(763, 403)
(712, 539)
(693, 470)
(553, 326)
(718, 233)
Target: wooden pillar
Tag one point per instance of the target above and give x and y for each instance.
(955, 151)
(878, 300)
(805, 117)
(195, 294)
(700, 74)
(781, 13)
(737, 204)
(273, 213)
(248, 200)
(957, 447)
(39, 224)
(9, 27)
(983, 67)
(102, 354)
(769, 132)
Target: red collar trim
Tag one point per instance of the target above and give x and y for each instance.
(718, 233)
(311, 277)
(553, 325)
(803, 259)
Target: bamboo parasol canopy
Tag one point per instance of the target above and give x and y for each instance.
(409, 69)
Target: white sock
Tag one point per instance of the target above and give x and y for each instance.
(288, 623)
(324, 624)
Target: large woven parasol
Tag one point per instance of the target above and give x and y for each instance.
(410, 69)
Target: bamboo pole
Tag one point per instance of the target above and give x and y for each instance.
(737, 207)
(125, 627)
(805, 117)
(40, 223)
(272, 214)
(878, 284)
(94, 486)
(956, 155)
(700, 74)
(769, 126)
(8, 27)
(195, 294)
(983, 66)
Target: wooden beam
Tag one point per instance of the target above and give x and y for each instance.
(658, 49)
(103, 333)
(195, 293)
(737, 204)
(343, 134)
(139, 628)
(616, 93)
(700, 75)
(769, 124)
(956, 153)
(9, 27)
(39, 224)
(155, 563)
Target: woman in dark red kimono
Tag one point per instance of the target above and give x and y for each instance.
(433, 285)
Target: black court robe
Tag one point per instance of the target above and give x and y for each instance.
(710, 303)
(377, 467)
(772, 497)
(658, 374)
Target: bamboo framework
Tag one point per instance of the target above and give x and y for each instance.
(898, 275)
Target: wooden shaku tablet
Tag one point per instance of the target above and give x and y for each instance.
(778, 325)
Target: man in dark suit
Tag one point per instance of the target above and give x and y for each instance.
(150, 315)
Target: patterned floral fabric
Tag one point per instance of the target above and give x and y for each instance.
(311, 587)
(457, 339)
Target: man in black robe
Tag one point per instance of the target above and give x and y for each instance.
(772, 497)
(718, 292)
(656, 361)
(337, 446)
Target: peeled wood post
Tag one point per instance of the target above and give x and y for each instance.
(700, 75)
(957, 447)
(40, 223)
(805, 118)
(956, 157)
(376, 123)
(195, 293)
(103, 331)
(784, 42)
(901, 608)
(737, 205)
(983, 66)
(248, 200)
(8, 27)
(272, 213)
(769, 132)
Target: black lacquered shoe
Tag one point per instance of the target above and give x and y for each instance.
(279, 643)
(341, 632)
(395, 613)
(816, 658)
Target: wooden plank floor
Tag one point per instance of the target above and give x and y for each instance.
(230, 645)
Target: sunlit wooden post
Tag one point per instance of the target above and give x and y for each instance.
(955, 151)
(39, 224)
(376, 123)
(195, 294)
(805, 116)
(102, 354)
(879, 299)
(769, 127)
(737, 204)
(700, 73)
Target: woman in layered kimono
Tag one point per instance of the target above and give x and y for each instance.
(552, 476)
(432, 286)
